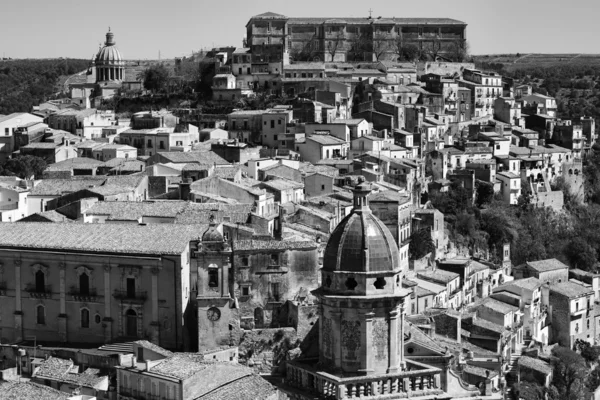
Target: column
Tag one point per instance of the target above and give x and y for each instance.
(155, 324)
(367, 365)
(393, 342)
(336, 322)
(18, 309)
(401, 352)
(107, 321)
(225, 280)
(62, 317)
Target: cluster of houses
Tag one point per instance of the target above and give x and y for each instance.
(226, 238)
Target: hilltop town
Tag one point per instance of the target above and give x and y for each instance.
(349, 208)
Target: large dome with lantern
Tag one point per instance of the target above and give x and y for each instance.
(361, 242)
(109, 62)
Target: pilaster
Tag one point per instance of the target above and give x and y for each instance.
(393, 366)
(62, 317)
(155, 324)
(18, 307)
(108, 320)
(367, 359)
(336, 321)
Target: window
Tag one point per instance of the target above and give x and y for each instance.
(279, 122)
(40, 282)
(213, 277)
(41, 315)
(322, 187)
(245, 291)
(97, 319)
(426, 303)
(245, 261)
(274, 259)
(85, 318)
(130, 288)
(275, 293)
(84, 284)
(272, 123)
(149, 143)
(162, 144)
(6, 131)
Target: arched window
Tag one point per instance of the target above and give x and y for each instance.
(245, 261)
(84, 284)
(40, 282)
(85, 318)
(213, 277)
(41, 315)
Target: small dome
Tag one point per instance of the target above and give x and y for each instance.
(109, 54)
(212, 234)
(361, 242)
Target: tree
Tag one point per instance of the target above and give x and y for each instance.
(421, 244)
(335, 41)
(593, 380)
(484, 193)
(25, 167)
(381, 44)
(155, 78)
(569, 373)
(581, 254)
(433, 48)
(359, 45)
(458, 51)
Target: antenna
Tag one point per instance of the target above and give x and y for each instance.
(370, 12)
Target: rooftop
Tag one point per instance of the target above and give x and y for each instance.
(527, 283)
(248, 387)
(326, 139)
(31, 391)
(571, 289)
(535, 364)
(438, 275)
(250, 245)
(153, 239)
(496, 305)
(550, 264)
(57, 187)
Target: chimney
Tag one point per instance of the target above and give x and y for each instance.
(184, 189)
(278, 228)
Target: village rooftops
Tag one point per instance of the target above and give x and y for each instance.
(389, 196)
(550, 264)
(430, 286)
(200, 157)
(153, 239)
(581, 274)
(480, 372)
(571, 289)
(508, 174)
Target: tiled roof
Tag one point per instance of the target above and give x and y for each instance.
(571, 289)
(49, 216)
(326, 139)
(75, 163)
(535, 364)
(53, 368)
(438, 275)
(41, 145)
(480, 372)
(430, 286)
(57, 187)
(249, 387)
(31, 391)
(550, 264)
(283, 184)
(389, 196)
(90, 378)
(249, 245)
(497, 305)
(200, 157)
(477, 266)
(100, 238)
(527, 283)
(151, 346)
(482, 323)
(227, 172)
(419, 337)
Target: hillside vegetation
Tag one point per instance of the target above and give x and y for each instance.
(25, 83)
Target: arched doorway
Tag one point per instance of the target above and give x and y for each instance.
(259, 317)
(131, 323)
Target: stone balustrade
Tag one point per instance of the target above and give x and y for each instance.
(418, 379)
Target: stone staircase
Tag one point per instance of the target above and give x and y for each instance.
(511, 374)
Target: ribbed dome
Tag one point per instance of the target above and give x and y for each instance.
(361, 242)
(109, 54)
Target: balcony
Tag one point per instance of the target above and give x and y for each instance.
(84, 296)
(35, 292)
(127, 295)
(419, 381)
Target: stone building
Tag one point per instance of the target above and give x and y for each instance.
(571, 311)
(276, 38)
(96, 283)
(550, 271)
(362, 330)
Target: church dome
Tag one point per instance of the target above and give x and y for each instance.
(361, 242)
(109, 54)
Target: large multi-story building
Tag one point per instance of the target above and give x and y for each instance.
(275, 39)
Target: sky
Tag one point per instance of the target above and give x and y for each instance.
(175, 28)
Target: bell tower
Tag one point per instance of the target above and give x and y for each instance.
(215, 302)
